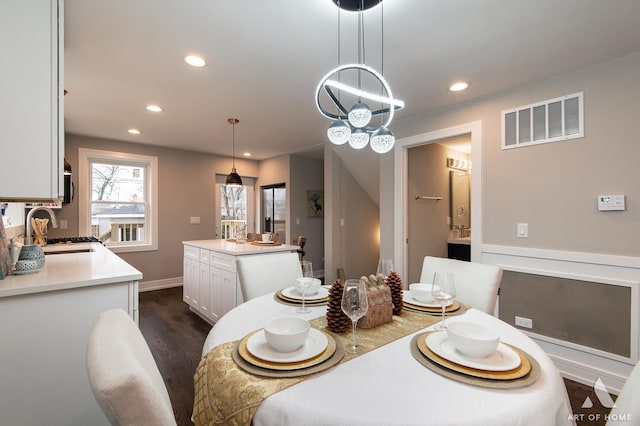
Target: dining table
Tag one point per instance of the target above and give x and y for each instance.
(384, 386)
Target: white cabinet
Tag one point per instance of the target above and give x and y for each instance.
(210, 283)
(43, 358)
(204, 289)
(31, 104)
(191, 275)
(223, 284)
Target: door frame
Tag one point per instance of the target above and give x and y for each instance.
(401, 199)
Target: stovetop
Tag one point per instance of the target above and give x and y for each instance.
(72, 240)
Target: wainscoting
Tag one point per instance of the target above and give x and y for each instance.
(584, 308)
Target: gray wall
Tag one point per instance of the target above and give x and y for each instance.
(553, 187)
(307, 174)
(186, 188)
(356, 245)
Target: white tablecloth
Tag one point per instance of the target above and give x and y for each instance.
(388, 386)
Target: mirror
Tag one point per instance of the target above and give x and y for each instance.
(460, 199)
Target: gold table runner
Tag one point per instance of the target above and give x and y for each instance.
(227, 395)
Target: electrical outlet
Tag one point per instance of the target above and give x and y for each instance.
(63, 224)
(524, 322)
(194, 220)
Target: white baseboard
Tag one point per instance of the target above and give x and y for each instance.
(159, 284)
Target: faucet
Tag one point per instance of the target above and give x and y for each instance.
(29, 231)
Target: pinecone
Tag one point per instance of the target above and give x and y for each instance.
(395, 283)
(337, 321)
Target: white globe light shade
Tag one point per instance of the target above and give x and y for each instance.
(360, 115)
(382, 140)
(359, 139)
(339, 132)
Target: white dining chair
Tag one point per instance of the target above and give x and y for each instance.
(477, 284)
(626, 410)
(123, 375)
(265, 273)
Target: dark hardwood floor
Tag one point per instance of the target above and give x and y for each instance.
(176, 335)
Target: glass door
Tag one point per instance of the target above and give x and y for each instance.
(274, 210)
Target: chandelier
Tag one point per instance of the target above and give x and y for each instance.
(361, 86)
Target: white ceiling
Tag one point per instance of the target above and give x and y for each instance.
(266, 58)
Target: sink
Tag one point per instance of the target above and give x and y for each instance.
(80, 250)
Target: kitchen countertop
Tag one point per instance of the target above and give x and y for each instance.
(235, 249)
(465, 240)
(71, 270)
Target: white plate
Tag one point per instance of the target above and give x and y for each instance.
(316, 343)
(292, 293)
(503, 359)
(406, 296)
(268, 242)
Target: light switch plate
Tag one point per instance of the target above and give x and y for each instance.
(522, 230)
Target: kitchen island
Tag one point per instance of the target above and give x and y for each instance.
(45, 321)
(211, 285)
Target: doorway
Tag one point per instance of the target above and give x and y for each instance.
(274, 210)
(401, 197)
(429, 194)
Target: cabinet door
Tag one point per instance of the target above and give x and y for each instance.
(223, 292)
(204, 306)
(31, 101)
(190, 288)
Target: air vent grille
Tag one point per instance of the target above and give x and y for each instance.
(543, 122)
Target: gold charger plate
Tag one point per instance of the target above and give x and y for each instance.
(451, 308)
(316, 365)
(299, 301)
(528, 372)
(317, 359)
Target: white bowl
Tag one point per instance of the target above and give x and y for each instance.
(472, 339)
(311, 290)
(286, 334)
(421, 292)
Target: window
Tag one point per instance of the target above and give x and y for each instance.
(236, 207)
(118, 199)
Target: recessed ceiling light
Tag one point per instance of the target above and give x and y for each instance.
(195, 61)
(134, 131)
(458, 86)
(154, 108)
(246, 154)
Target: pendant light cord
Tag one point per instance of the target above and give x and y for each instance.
(233, 144)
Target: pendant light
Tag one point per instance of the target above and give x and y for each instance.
(233, 179)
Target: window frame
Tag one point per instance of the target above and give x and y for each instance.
(150, 163)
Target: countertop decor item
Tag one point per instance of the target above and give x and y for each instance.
(5, 257)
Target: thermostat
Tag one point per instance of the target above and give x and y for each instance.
(611, 202)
